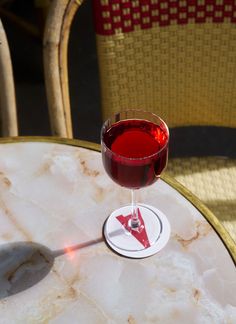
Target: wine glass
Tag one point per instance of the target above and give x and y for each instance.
(134, 147)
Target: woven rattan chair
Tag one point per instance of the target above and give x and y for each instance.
(175, 58)
(7, 90)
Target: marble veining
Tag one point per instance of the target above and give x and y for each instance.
(56, 268)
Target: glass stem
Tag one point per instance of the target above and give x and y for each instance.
(135, 222)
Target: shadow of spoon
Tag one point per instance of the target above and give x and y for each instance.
(23, 264)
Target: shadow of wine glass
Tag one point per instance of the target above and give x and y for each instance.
(24, 264)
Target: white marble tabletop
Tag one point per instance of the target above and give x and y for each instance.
(56, 268)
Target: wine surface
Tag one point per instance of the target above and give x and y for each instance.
(137, 152)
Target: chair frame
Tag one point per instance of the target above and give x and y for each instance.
(7, 89)
(55, 51)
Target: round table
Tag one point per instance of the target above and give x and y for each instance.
(56, 268)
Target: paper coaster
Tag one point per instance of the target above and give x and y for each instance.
(151, 239)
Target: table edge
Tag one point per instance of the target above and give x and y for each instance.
(194, 200)
(207, 214)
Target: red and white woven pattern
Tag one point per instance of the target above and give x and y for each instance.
(124, 15)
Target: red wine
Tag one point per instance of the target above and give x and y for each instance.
(137, 152)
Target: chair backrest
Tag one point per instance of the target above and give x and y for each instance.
(8, 111)
(173, 57)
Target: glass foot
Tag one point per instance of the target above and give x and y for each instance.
(150, 238)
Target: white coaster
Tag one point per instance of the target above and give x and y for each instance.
(132, 244)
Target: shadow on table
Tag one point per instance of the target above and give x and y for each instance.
(24, 264)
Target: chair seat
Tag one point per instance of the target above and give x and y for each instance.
(212, 180)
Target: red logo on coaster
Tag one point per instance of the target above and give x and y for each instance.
(141, 234)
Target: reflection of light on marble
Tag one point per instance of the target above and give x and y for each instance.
(70, 252)
(60, 196)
